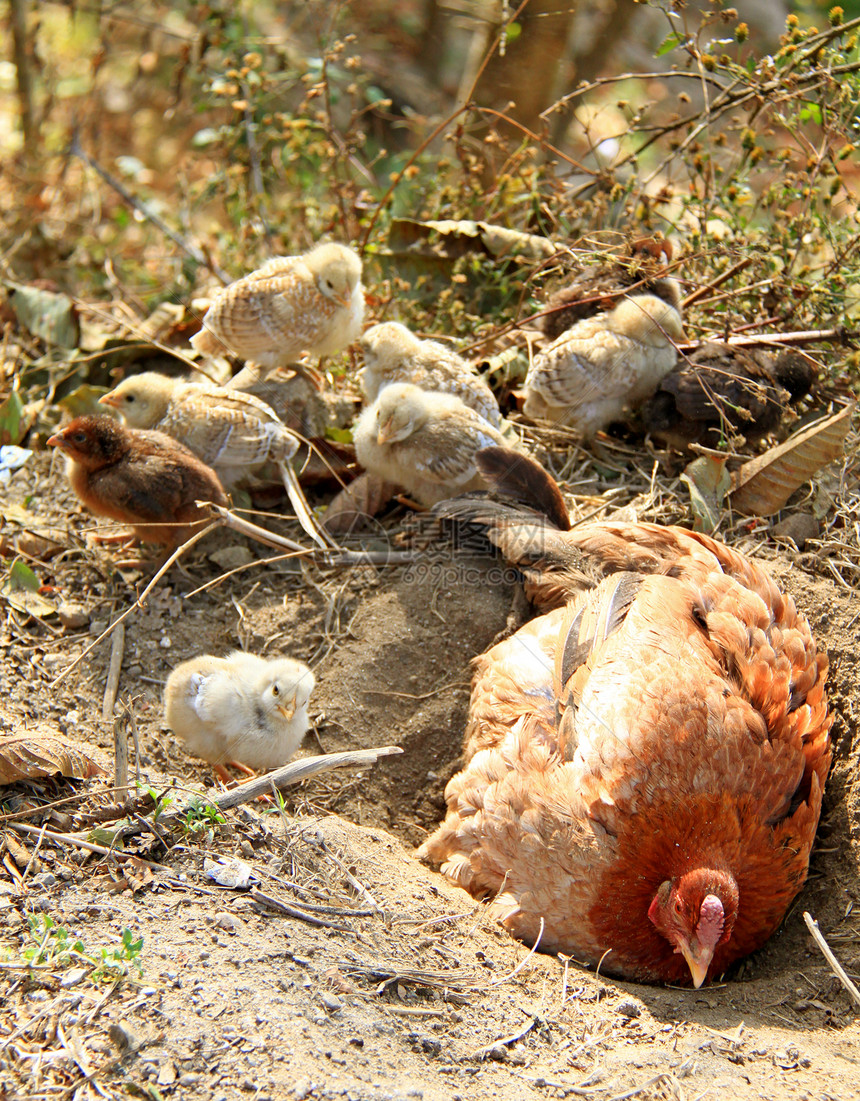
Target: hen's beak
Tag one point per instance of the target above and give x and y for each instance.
(109, 399)
(698, 960)
(386, 431)
(288, 709)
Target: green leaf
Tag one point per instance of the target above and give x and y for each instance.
(10, 419)
(83, 400)
(669, 43)
(811, 112)
(22, 577)
(339, 435)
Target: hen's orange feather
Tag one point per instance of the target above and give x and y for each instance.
(666, 726)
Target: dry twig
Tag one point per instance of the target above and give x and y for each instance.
(835, 966)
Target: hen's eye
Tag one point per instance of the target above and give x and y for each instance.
(678, 906)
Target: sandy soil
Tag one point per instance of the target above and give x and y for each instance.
(408, 991)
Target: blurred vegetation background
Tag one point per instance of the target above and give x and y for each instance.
(149, 149)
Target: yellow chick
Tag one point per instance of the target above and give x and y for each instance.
(394, 354)
(233, 432)
(239, 709)
(312, 303)
(603, 364)
(424, 441)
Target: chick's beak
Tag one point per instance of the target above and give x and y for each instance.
(698, 960)
(55, 441)
(343, 299)
(386, 431)
(288, 709)
(109, 399)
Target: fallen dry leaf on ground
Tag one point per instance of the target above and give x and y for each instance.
(32, 756)
(763, 485)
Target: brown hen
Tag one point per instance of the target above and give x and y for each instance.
(645, 761)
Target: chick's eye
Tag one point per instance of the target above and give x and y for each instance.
(275, 690)
(80, 437)
(129, 398)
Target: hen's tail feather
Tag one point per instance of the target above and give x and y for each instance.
(554, 569)
(518, 477)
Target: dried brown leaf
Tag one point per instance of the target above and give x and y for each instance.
(33, 756)
(763, 485)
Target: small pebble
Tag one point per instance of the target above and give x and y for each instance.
(73, 976)
(43, 880)
(330, 1001)
(124, 1036)
(629, 1008)
(166, 1074)
(189, 1079)
(73, 616)
(798, 527)
(229, 922)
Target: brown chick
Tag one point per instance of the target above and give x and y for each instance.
(645, 762)
(312, 303)
(601, 365)
(233, 432)
(394, 354)
(423, 441)
(725, 390)
(597, 288)
(145, 479)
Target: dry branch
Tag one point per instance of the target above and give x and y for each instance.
(297, 771)
(835, 966)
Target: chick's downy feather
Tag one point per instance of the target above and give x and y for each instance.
(145, 479)
(234, 432)
(646, 760)
(602, 364)
(240, 708)
(597, 287)
(394, 354)
(312, 303)
(423, 441)
(231, 431)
